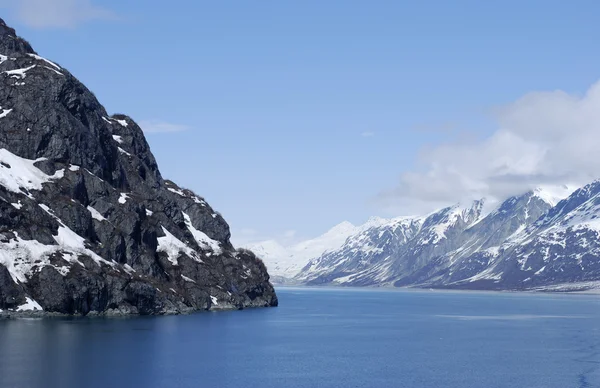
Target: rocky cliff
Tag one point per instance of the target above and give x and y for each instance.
(88, 225)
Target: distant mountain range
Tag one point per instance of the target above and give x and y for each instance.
(542, 239)
(286, 262)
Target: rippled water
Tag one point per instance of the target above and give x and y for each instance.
(322, 338)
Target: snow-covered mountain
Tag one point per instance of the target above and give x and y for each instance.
(285, 262)
(485, 237)
(562, 246)
(378, 253)
(371, 245)
(543, 238)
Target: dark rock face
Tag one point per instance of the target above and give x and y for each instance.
(87, 223)
(11, 43)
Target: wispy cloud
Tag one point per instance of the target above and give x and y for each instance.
(368, 134)
(544, 138)
(56, 13)
(157, 126)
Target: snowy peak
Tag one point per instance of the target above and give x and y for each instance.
(563, 246)
(371, 255)
(456, 245)
(528, 207)
(437, 224)
(373, 244)
(540, 237)
(374, 222)
(342, 229)
(552, 195)
(486, 236)
(273, 254)
(580, 210)
(286, 262)
(572, 202)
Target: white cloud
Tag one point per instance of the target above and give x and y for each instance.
(155, 126)
(544, 138)
(367, 134)
(56, 13)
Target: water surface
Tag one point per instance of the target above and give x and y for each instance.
(321, 338)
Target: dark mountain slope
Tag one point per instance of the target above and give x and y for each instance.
(87, 222)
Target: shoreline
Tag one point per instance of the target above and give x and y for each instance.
(37, 314)
(579, 288)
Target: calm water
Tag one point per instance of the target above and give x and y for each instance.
(321, 338)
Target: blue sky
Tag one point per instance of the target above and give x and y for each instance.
(298, 115)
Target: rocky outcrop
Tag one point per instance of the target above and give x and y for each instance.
(88, 225)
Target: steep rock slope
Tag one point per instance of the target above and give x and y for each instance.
(87, 223)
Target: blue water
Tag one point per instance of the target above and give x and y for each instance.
(321, 338)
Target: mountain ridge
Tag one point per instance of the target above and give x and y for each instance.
(516, 246)
(463, 247)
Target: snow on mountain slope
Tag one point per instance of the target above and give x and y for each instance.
(286, 262)
(452, 246)
(374, 243)
(552, 195)
(383, 252)
(482, 241)
(441, 232)
(562, 246)
(274, 255)
(20, 175)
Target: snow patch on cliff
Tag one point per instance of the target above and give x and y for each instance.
(173, 247)
(19, 73)
(201, 238)
(54, 65)
(20, 175)
(96, 214)
(30, 305)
